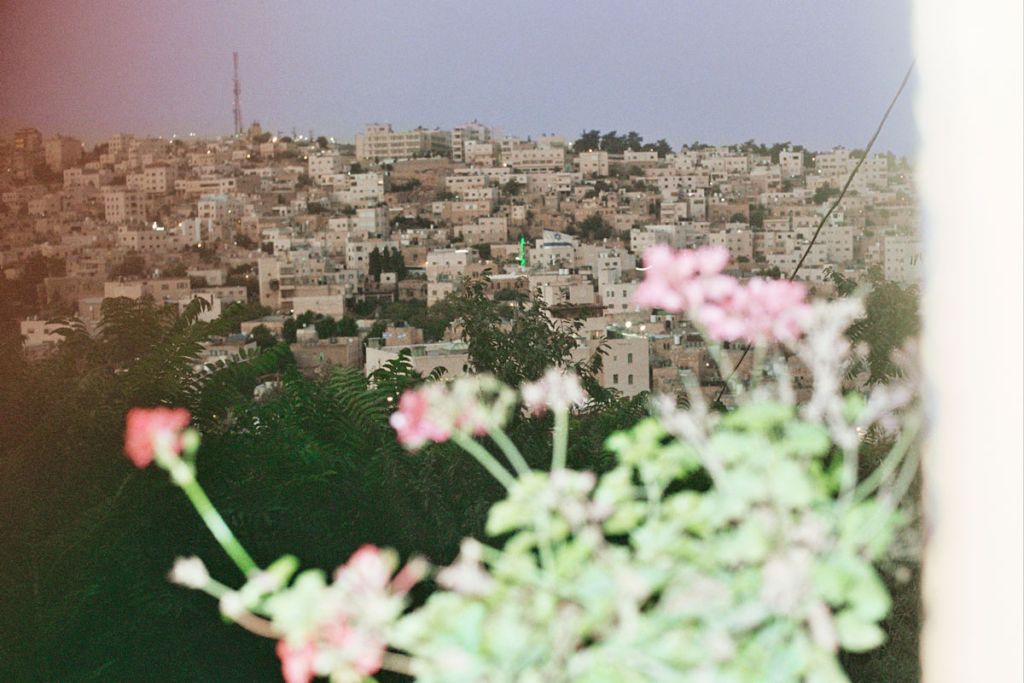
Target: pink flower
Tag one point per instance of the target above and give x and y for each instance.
(556, 390)
(469, 405)
(411, 574)
(147, 429)
(778, 310)
(676, 281)
(363, 652)
(367, 569)
(413, 423)
(763, 311)
(296, 661)
(711, 260)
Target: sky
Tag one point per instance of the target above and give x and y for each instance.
(817, 72)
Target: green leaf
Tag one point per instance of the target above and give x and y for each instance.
(806, 440)
(853, 406)
(857, 634)
(790, 486)
(760, 417)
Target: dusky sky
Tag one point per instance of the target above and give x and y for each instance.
(815, 72)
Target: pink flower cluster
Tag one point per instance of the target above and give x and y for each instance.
(556, 390)
(761, 311)
(353, 639)
(414, 422)
(434, 412)
(149, 429)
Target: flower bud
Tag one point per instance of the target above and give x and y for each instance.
(189, 572)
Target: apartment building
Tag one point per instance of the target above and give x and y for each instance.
(593, 163)
(62, 152)
(486, 230)
(161, 290)
(902, 257)
(157, 179)
(380, 141)
(618, 298)
(532, 159)
(194, 187)
(122, 205)
(471, 135)
(320, 165)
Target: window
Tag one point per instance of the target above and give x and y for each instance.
(629, 358)
(629, 380)
(615, 379)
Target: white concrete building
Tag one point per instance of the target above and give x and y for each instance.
(379, 141)
(122, 205)
(593, 163)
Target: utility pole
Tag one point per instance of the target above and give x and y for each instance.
(238, 98)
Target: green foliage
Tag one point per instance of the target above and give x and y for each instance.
(263, 337)
(758, 574)
(824, 193)
(314, 467)
(611, 142)
(757, 214)
(433, 320)
(517, 342)
(390, 260)
(406, 185)
(594, 228)
(244, 241)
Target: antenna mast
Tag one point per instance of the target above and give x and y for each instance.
(238, 99)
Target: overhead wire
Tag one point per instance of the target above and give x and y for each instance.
(832, 208)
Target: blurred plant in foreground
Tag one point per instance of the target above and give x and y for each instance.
(735, 546)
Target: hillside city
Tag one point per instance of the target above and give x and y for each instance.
(344, 250)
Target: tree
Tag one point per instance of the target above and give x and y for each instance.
(662, 148)
(518, 342)
(263, 337)
(511, 188)
(321, 142)
(392, 261)
(375, 264)
(824, 193)
(376, 330)
(244, 241)
(891, 316)
(132, 265)
(594, 227)
(589, 140)
(347, 327)
(289, 329)
(325, 326)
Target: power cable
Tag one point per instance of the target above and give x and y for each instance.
(824, 219)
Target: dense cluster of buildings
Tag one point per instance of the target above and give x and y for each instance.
(300, 224)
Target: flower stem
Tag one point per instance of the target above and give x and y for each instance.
(399, 663)
(484, 457)
(218, 527)
(725, 368)
(891, 461)
(758, 368)
(559, 456)
(510, 450)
